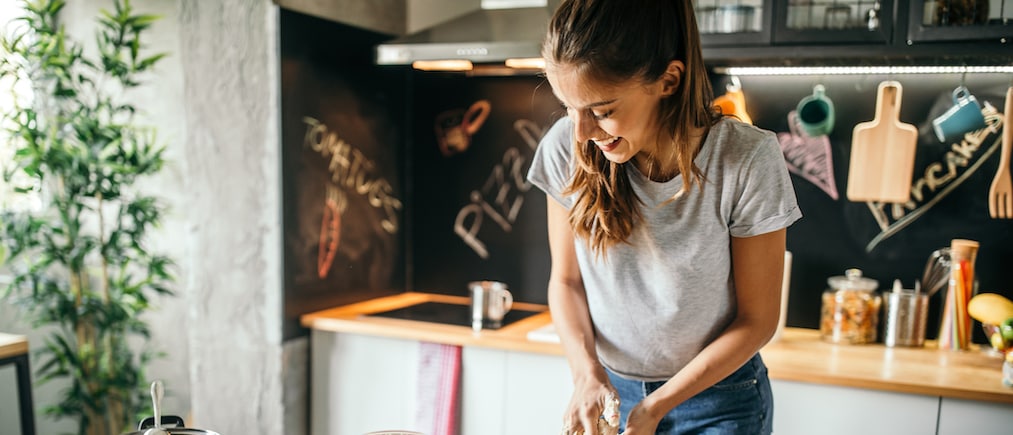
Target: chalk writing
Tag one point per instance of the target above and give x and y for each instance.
(502, 195)
(350, 169)
(939, 178)
(529, 131)
(808, 157)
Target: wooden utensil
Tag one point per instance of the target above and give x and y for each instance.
(883, 152)
(1000, 195)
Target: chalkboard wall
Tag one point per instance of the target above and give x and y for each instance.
(838, 234)
(473, 214)
(834, 235)
(342, 163)
(427, 191)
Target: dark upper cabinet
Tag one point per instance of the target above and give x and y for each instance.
(800, 31)
(989, 21)
(833, 22)
(734, 23)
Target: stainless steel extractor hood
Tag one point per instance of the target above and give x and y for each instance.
(499, 30)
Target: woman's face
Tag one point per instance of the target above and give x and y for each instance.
(621, 119)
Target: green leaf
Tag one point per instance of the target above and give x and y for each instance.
(88, 151)
(149, 62)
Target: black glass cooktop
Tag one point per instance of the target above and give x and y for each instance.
(454, 314)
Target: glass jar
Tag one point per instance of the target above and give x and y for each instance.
(850, 310)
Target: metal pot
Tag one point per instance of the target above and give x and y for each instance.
(167, 424)
(171, 424)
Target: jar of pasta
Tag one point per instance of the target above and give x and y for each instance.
(850, 311)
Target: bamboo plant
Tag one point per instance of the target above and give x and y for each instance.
(80, 265)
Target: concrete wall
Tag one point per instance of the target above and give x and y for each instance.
(215, 103)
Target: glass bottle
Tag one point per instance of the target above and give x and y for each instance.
(850, 309)
(955, 326)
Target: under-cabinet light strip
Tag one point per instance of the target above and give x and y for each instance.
(853, 70)
(443, 65)
(526, 63)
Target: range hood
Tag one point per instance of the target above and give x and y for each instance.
(499, 30)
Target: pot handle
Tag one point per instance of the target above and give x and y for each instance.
(167, 420)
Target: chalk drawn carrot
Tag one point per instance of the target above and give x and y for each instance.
(330, 230)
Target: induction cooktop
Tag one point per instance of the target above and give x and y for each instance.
(453, 314)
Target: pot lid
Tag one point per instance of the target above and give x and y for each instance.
(852, 280)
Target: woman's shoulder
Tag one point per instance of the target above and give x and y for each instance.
(560, 133)
(736, 144)
(558, 140)
(733, 132)
(732, 138)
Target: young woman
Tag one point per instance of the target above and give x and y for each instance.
(666, 226)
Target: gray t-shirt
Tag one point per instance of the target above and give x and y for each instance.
(658, 300)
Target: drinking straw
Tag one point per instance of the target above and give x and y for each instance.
(946, 325)
(960, 306)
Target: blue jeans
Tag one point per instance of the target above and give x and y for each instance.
(741, 404)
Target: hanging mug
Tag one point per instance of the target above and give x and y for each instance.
(964, 116)
(816, 113)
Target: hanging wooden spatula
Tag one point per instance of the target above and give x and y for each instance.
(883, 152)
(1000, 195)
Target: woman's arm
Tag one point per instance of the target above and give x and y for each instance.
(757, 264)
(568, 304)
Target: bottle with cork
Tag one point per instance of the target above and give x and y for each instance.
(955, 326)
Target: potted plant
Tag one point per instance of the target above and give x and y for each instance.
(80, 265)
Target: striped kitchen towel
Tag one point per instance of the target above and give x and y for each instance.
(437, 410)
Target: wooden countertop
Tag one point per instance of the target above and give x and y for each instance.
(799, 355)
(351, 319)
(12, 345)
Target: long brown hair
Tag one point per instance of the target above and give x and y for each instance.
(605, 39)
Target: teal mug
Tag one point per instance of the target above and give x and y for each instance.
(964, 116)
(816, 113)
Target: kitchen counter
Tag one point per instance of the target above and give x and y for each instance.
(14, 350)
(352, 319)
(799, 355)
(12, 345)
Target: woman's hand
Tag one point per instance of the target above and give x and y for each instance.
(586, 405)
(641, 421)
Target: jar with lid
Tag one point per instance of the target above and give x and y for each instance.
(850, 310)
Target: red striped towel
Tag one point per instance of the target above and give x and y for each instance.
(439, 386)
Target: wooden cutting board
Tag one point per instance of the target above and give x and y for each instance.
(883, 152)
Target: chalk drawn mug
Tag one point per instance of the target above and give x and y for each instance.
(454, 128)
(816, 113)
(963, 117)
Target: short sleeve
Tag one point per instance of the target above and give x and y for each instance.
(766, 197)
(551, 166)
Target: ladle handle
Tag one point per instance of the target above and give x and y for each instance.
(157, 390)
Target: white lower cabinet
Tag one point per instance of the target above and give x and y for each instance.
(483, 391)
(360, 384)
(538, 389)
(507, 393)
(806, 409)
(365, 383)
(962, 417)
